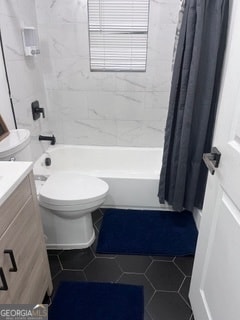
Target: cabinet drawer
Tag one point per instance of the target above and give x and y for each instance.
(25, 240)
(13, 204)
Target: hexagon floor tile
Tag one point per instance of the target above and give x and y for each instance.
(136, 264)
(76, 259)
(157, 274)
(164, 276)
(168, 306)
(103, 270)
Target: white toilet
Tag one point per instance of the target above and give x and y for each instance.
(66, 199)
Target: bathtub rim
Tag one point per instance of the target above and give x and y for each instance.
(120, 174)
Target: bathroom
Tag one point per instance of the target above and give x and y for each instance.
(107, 109)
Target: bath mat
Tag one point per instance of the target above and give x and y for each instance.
(97, 301)
(147, 233)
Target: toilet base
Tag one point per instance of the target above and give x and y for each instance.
(67, 233)
(70, 246)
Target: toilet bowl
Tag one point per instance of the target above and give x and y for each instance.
(66, 200)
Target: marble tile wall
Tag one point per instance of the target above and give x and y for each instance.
(25, 74)
(125, 109)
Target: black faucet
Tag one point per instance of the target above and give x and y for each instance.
(48, 138)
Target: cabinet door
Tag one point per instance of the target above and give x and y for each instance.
(13, 204)
(24, 238)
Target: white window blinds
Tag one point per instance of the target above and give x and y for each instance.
(118, 33)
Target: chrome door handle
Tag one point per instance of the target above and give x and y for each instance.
(212, 159)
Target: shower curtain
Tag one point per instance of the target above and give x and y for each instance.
(193, 103)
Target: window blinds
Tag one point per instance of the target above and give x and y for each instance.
(118, 34)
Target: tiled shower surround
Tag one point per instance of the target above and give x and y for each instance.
(104, 108)
(83, 107)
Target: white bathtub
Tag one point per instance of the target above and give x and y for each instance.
(131, 173)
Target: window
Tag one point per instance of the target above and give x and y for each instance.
(118, 33)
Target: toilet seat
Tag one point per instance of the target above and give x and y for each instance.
(71, 191)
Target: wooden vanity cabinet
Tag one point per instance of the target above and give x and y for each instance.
(24, 268)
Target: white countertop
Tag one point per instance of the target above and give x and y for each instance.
(12, 174)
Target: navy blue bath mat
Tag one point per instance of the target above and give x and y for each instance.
(147, 233)
(97, 301)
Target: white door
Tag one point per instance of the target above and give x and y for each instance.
(215, 286)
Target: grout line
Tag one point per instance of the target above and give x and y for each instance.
(100, 209)
(167, 291)
(185, 277)
(150, 300)
(181, 294)
(179, 269)
(96, 221)
(60, 271)
(104, 257)
(73, 270)
(85, 275)
(60, 262)
(119, 265)
(164, 260)
(185, 301)
(148, 267)
(150, 282)
(117, 281)
(89, 261)
(133, 273)
(146, 311)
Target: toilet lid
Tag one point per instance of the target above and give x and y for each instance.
(71, 188)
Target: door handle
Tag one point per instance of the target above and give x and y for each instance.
(13, 261)
(212, 159)
(4, 286)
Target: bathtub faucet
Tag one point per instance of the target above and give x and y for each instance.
(48, 138)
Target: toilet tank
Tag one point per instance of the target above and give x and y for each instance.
(16, 146)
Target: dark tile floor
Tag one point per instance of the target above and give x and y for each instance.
(166, 280)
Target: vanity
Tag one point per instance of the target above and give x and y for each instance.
(24, 269)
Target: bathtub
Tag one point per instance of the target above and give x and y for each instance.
(131, 173)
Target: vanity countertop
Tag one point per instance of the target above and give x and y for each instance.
(12, 174)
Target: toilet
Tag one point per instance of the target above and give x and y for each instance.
(66, 198)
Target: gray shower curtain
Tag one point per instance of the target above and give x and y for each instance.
(193, 103)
